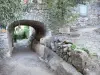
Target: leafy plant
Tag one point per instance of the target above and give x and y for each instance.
(86, 50)
(60, 12)
(21, 33)
(73, 46)
(10, 10)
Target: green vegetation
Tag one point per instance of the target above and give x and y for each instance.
(86, 50)
(74, 47)
(20, 33)
(9, 10)
(61, 12)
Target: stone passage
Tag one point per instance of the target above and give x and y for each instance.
(39, 27)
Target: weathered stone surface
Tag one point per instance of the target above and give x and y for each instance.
(78, 59)
(39, 49)
(92, 68)
(4, 49)
(97, 30)
(74, 34)
(66, 69)
(48, 41)
(56, 63)
(61, 67)
(64, 30)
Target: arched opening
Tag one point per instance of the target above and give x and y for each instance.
(22, 38)
(39, 28)
(22, 32)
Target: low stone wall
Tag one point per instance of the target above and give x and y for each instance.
(57, 64)
(79, 59)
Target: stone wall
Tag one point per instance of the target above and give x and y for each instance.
(4, 48)
(36, 12)
(78, 58)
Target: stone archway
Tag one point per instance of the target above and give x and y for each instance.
(39, 27)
